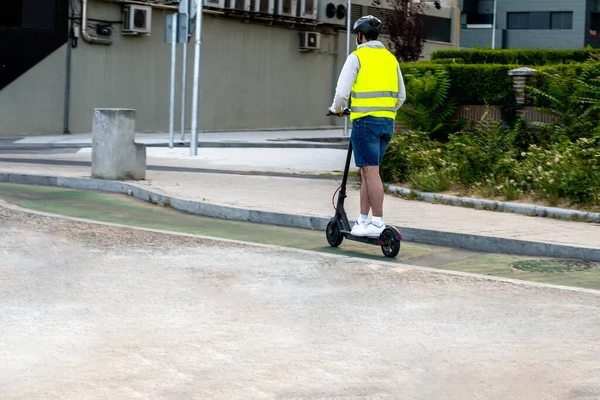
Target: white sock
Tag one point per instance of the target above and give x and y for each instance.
(377, 221)
(363, 218)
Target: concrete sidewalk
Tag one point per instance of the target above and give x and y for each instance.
(326, 137)
(307, 203)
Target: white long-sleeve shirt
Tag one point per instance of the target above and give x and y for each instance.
(348, 76)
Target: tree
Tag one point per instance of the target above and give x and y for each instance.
(404, 27)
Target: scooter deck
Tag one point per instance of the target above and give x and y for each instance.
(364, 239)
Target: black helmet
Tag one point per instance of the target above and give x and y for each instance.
(367, 24)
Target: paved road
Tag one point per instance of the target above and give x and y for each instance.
(97, 312)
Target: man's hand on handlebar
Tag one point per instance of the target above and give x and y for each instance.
(340, 114)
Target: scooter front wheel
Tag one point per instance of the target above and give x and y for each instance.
(334, 233)
(391, 238)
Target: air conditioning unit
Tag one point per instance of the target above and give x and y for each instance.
(332, 12)
(137, 19)
(310, 40)
(306, 9)
(285, 8)
(266, 7)
(238, 5)
(214, 3)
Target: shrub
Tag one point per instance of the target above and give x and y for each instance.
(471, 84)
(560, 162)
(530, 57)
(543, 79)
(482, 150)
(408, 152)
(567, 170)
(573, 97)
(432, 179)
(489, 84)
(428, 105)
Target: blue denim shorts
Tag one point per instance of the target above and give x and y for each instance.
(370, 137)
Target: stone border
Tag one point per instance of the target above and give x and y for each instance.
(499, 206)
(424, 236)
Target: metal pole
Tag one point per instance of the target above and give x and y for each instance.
(194, 133)
(183, 83)
(494, 28)
(67, 86)
(173, 63)
(188, 5)
(347, 54)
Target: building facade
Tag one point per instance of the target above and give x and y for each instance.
(257, 71)
(533, 24)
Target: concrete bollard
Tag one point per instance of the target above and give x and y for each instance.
(115, 155)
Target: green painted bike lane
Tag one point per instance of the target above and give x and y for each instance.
(122, 209)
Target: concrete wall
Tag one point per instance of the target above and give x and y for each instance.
(476, 37)
(531, 38)
(34, 102)
(253, 77)
(430, 47)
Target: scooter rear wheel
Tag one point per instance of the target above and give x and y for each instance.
(391, 237)
(334, 233)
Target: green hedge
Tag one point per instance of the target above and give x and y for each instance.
(541, 81)
(521, 57)
(472, 83)
(489, 84)
(449, 61)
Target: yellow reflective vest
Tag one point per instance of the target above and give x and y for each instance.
(375, 90)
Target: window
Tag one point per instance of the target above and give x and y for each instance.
(11, 13)
(478, 13)
(470, 6)
(480, 19)
(562, 20)
(436, 28)
(539, 20)
(33, 14)
(517, 20)
(39, 14)
(595, 21)
(355, 13)
(309, 7)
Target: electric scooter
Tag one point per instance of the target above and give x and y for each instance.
(339, 228)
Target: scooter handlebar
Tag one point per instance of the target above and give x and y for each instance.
(346, 111)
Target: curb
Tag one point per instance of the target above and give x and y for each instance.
(424, 236)
(232, 144)
(298, 175)
(499, 206)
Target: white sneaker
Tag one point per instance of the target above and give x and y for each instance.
(359, 229)
(373, 230)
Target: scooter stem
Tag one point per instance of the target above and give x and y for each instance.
(342, 195)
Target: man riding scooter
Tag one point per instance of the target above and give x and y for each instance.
(371, 77)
